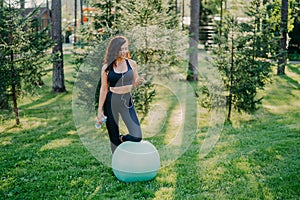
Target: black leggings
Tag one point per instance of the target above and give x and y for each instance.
(121, 104)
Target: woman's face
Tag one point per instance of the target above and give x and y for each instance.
(124, 50)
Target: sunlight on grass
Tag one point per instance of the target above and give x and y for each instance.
(256, 157)
(97, 190)
(6, 140)
(165, 117)
(4, 183)
(178, 98)
(289, 72)
(57, 144)
(26, 123)
(45, 103)
(72, 132)
(175, 128)
(164, 193)
(167, 175)
(284, 93)
(155, 121)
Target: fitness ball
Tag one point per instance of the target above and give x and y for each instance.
(135, 161)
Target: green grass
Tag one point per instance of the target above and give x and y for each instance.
(257, 157)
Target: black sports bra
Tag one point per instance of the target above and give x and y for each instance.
(120, 79)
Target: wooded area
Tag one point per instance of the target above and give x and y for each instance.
(267, 29)
(221, 81)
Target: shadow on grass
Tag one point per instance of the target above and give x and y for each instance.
(46, 160)
(266, 156)
(46, 101)
(186, 168)
(294, 68)
(291, 82)
(256, 159)
(40, 162)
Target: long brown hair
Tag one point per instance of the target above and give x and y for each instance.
(112, 51)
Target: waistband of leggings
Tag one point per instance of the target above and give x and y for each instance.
(128, 93)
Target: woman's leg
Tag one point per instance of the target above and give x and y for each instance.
(112, 122)
(129, 116)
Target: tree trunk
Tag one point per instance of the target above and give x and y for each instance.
(182, 17)
(48, 17)
(14, 98)
(22, 5)
(81, 12)
(58, 84)
(12, 71)
(221, 18)
(193, 42)
(231, 79)
(75, 22)
(257, 31)
(283, 38)
(3, 95)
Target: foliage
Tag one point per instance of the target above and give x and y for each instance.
(294, 43)
(150, 26)
(23, 52)
(266, 38)
(108, 16)
(212, 7)
(88, 65)
(148, 13)
(88, 60)
(294, 56)
(274, 8)
(242, 70)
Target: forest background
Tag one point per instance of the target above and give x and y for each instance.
(256, 155)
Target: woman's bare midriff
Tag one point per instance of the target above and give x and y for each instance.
(121, 90)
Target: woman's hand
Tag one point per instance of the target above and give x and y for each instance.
(139, 80)
(100, 117)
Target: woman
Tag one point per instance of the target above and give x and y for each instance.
(119, 74)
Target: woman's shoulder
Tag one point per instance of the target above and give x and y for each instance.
(132, 63)
(104, 67)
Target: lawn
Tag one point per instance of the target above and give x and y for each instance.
(256, 157)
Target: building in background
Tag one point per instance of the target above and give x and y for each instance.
(43, 17)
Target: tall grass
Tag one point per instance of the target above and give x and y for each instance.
(256, 157)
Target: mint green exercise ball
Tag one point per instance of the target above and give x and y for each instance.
(135, 161)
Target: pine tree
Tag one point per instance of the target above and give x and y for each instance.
(23, 53)
(150, 26)
(243, 71)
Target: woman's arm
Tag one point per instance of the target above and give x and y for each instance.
(137, 80)
(103, 92)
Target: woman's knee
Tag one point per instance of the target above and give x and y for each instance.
(137, 139)
(131, 138)
(116, 141)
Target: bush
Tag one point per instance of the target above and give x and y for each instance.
(294, 56)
